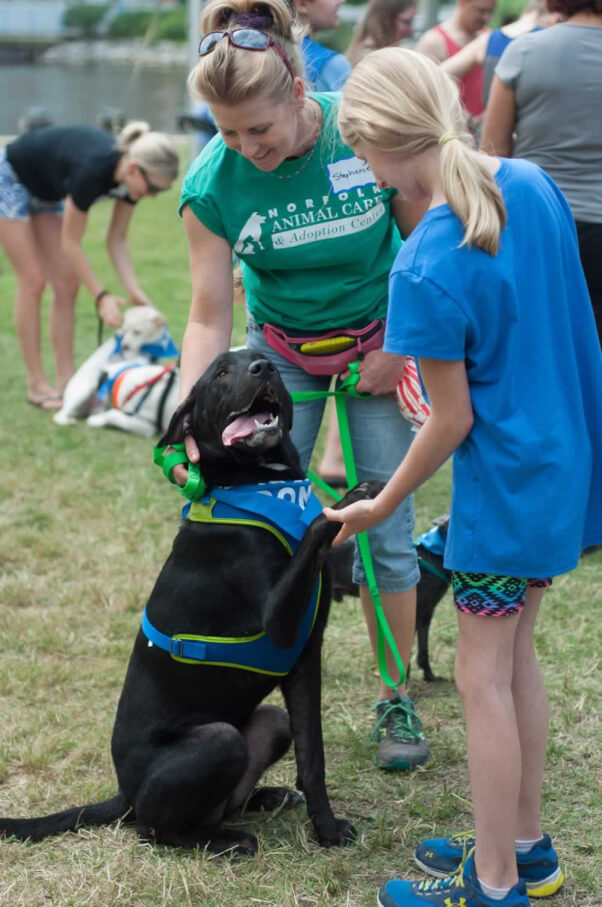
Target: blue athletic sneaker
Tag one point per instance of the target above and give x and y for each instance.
(459, 890)
(538, 868)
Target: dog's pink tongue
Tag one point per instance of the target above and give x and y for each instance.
(242, 427)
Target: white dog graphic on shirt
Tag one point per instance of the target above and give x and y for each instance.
(250, 233)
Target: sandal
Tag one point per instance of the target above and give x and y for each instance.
(47, 402)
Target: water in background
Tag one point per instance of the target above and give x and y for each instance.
(77, 94)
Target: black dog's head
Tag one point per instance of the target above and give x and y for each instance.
(240, 414)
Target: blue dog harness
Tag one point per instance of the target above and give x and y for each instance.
(162, 348)
(433, 541)
(284, 509)
(106, 388)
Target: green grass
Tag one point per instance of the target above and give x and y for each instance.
(86, 522)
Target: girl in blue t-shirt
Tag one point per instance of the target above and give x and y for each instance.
(488, 293)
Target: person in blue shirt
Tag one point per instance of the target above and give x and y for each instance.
(489, 295)
(325, 69)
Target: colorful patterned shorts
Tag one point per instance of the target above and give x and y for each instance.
(495, 596)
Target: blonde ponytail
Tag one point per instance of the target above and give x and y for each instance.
(131, 132)
(473, 196)
(154, 151)
(400, 102)
(230, 75)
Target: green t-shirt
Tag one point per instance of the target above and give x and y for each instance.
(315, 237)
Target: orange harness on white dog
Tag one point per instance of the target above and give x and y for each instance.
(144, 386)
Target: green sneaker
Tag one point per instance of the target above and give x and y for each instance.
(398, 732)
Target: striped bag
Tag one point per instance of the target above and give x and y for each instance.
(412, 404)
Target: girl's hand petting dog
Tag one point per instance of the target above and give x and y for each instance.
(357, 517)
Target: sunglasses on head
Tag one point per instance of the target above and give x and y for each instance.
(151, 188)
(245, 38)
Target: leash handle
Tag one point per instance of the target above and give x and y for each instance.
(195, 487)
(346, 388)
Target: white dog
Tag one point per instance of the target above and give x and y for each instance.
(139, 397)
(142, 339)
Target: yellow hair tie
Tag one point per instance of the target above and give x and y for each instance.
(447, 137)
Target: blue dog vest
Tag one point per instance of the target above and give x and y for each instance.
(283, 508)
(433, 541)
(162, 348)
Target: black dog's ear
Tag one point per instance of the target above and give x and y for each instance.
(180, 422)
(287, 410)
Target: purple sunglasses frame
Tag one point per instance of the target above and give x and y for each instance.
(230, 34)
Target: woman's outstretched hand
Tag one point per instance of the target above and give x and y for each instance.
(355, 518)
(108, 309)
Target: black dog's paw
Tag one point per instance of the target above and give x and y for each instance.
(361, 492)
(322, 532)
(229, 842)
(427, 672)
(269, 799)
(344, 833)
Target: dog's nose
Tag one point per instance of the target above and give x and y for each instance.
(260, 367)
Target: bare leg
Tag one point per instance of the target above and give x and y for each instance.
(47, 229)
(400, 611)
(532, 716)
(18, 240)
(331, 464)
(484, 673)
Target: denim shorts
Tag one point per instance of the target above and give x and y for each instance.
(16, 203)
(380, 439)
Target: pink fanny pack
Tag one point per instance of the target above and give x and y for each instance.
(329, 353)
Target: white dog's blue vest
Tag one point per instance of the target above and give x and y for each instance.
(284, 509)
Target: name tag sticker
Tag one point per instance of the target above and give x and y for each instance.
(350, 173)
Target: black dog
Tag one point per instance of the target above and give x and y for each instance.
(434, 583)
(191, 741)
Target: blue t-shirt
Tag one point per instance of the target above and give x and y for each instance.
(326, 70)
(527, 481)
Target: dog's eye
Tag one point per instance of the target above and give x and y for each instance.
(221, 372)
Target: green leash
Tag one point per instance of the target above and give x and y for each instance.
(383, 631)
(195, 487)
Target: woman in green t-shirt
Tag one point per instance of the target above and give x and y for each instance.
(316, 238)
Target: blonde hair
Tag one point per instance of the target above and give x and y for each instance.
(400, 102)
(154, 151)
(229, 75)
